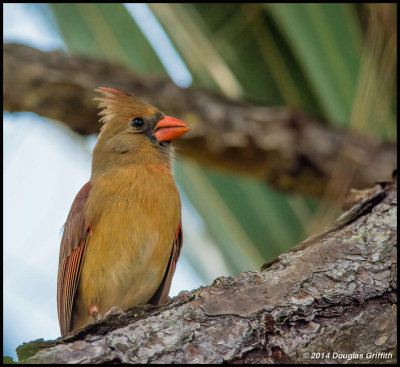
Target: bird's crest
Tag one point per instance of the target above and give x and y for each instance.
(117, 102)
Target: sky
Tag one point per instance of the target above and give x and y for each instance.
(45, 165)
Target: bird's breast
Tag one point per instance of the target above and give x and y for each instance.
(135, 214)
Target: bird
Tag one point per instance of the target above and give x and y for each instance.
(123, 234)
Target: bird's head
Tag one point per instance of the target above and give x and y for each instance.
(133, 131)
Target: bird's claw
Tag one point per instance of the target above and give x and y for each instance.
(113, 311)
(94, 312)
(184, 296)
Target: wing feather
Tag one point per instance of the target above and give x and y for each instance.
(161, 295)
(72, 250)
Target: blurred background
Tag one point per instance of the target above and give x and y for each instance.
(336, 62)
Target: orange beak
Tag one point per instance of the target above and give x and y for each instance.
(169, 128)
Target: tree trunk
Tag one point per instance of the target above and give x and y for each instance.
(276, 145)
(330, 299)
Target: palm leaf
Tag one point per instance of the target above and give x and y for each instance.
(327, 42)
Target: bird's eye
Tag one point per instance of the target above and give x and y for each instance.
(137, 122)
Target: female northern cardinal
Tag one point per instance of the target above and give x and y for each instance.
(123, 234)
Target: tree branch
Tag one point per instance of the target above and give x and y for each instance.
(276, 145)
(333, 293)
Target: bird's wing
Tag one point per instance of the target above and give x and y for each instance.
(72, 250)
(161, 295)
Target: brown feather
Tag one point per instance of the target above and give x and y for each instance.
(73, 245)
(122, 105)
(135, 211)
(161, 295)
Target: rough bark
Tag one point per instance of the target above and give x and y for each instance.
(333, 293)
(276, 145)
